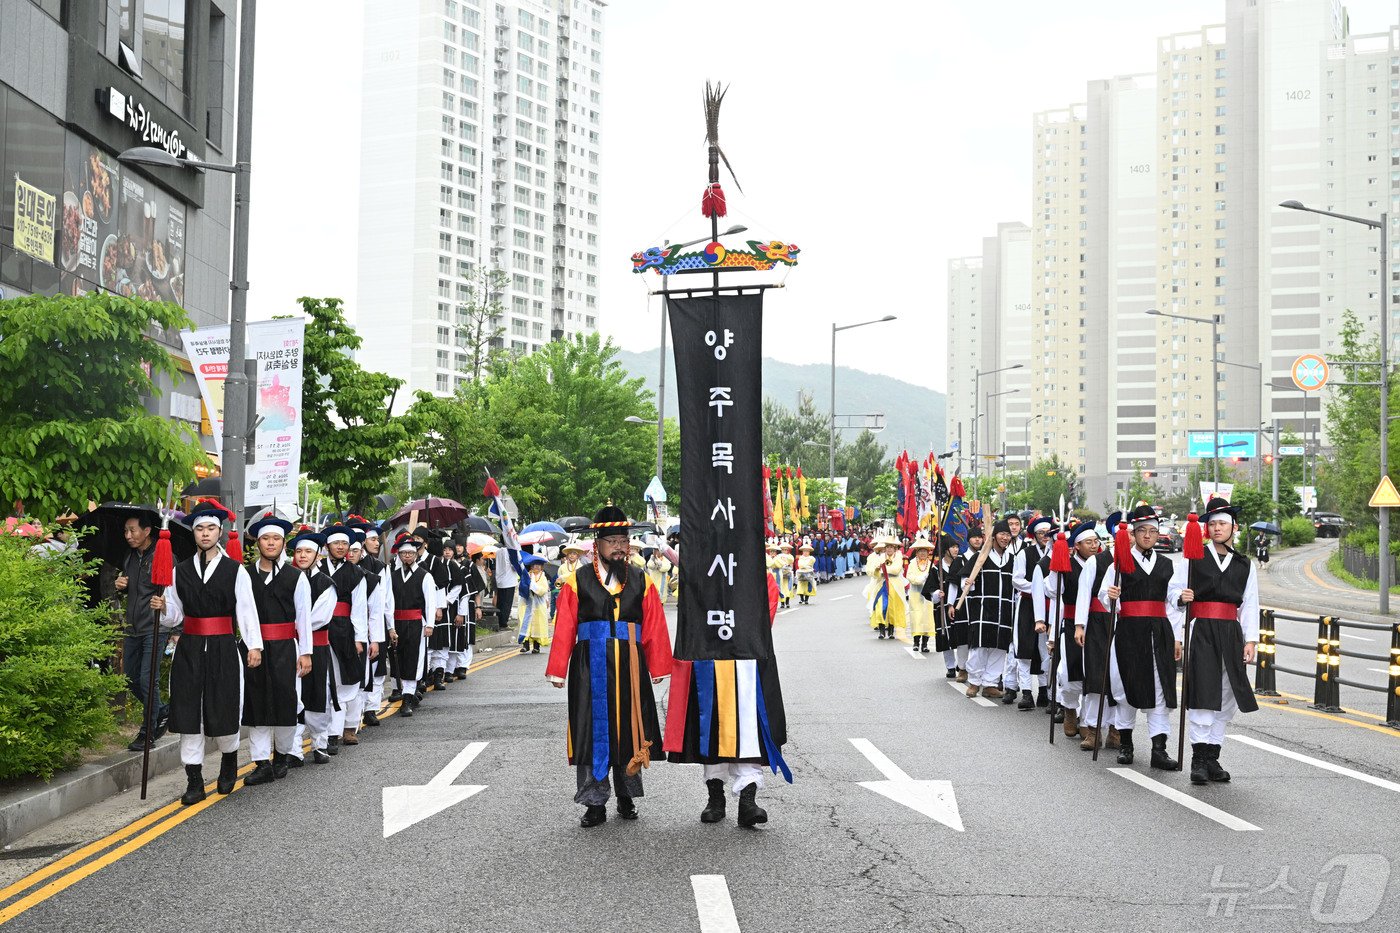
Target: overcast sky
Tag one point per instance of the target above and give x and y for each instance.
(882, 145)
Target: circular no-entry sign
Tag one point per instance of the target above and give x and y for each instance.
(1310, 372)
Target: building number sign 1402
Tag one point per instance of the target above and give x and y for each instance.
(1297, 95)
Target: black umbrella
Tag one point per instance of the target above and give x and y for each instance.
(1266, 527)
(479, 524)
(575, 523)
(100, 531)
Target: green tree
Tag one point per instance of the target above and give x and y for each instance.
(1140, 490)
(797, 438)
(479, 327)
(1353, 472)
(883, 503)
(73, 423)
(1048, 480)
(861, 462)
(350, 438)
(461, 440)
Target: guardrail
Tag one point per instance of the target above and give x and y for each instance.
(1327, 656)
(1360, 564)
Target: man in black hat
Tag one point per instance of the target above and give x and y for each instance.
(612, 613)
(1030, 644)
(270, 691)
(1146, 642)
(210, 598)
(941, 589)
(410, 608)
(1220, 590)
(990, 591)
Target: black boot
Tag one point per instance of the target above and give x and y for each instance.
(592, 816)
(1213, 770)
(319, 757)
(279, 765)
(1008, 697)
(194, 789)
(750, 813)
(714, 809)
(333, 745)
(406, 707)
(438, 682)
(371, 718)
(1160, 759)
(460, 673)
(228, 773)
(924, 648)
(1125, 746)
(262, 774)
(295, 761)
(1042, 697)
(396, 696)
(952, 673)
(626, 808)
(1026, 701)
(1199, 751)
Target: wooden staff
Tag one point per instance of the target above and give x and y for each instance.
(159, 576)
(981, 557)
(1054, 642)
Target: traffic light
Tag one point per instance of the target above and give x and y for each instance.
(1148, 474)
(1268, 458)
(1237, 460)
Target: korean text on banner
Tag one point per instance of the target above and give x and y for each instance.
(723, 611)
(277, 347)
(34, 220)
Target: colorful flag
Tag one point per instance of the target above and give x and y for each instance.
(793, 516)
(779, 526)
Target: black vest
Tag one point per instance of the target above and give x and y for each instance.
(276, 601)
(371, 568)
(408, 594)
(346, 578)
(595, 603)
(1100, 562)
(214, 599)
(1139, 586)
(319, 583)
(1207, 582)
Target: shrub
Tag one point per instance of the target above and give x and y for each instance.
(54, 701)
(1297, 530)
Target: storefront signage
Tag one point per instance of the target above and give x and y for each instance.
(142, 120)
(34, 220)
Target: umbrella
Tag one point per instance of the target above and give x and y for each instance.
(645, 527)
(544, 526)
(545, 537)
(107, 521)
(480, 540)
(575, 523)
(1266, 527)
(479, 524)
(675, 529)
(432, 511)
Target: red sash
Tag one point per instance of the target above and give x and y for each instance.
(1142, 609)
(1225, 612)
(1094, 606)
(342, 611)
(278, 631)
(321, 637)
(208, 625)
(404, 615)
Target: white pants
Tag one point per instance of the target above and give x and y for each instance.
(1208, 725)
(410, 686)
(1023, 665)
(984, 666)
(263, 739)
(460, 659)
(373, 698)
(739, 775)
(437, 658)
(298, 741)
(332, 721)
(192, 746)
(1096, 705)
(1159, 717)
(1011, 669)
(955, 658)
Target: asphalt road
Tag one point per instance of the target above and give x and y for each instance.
(1049, 839)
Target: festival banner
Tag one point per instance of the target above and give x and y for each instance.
(723, 612)
(277, 347)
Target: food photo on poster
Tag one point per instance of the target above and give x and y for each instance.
(120, 232)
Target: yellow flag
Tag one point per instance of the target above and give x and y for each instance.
(802, 484)
(792, 504)
(779, 526)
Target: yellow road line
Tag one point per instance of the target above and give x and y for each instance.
(1354, 712)
(1383, 730)
(1312, 575)
(155, 824)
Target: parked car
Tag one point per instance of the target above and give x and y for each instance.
(1168, 541)
(1328, 524)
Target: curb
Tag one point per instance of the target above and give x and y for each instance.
(36, 803)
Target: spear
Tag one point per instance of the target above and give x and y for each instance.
(1122, 563)
(1192, 549)
(162, 575)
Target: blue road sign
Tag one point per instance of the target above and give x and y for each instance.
(1232, 444)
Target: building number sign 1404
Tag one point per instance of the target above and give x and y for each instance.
(1297, 95)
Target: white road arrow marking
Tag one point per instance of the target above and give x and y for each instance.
(404, 806)
(934, 799)
(712, 904)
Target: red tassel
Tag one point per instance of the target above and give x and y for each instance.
(163, 561)
(955, 488)
(1059, 555)
(712, 202)
(1192, 545)
(1123, 549)
(235, 547)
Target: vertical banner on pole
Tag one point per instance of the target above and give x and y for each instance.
(718, 345)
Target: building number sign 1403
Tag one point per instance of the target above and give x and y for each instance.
(1141, 168)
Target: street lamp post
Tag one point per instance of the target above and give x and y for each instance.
(1214, 322)
(1383, 225)
(1027, 474)
(660, 424)
(234, 460)
(1259, 431)
(990, 395)
(977, 412)
(831, 454)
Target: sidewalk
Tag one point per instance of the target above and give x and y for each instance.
(29, 805)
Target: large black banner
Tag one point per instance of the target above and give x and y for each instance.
(723, 612)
